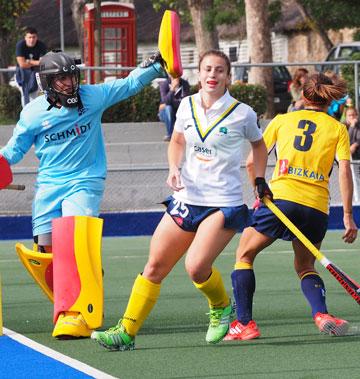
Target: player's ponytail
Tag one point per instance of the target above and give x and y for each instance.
(321, 90)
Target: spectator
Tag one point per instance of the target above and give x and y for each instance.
(353, 125)
(336, 107)
(296, 89)
(172, 91)
(28, 53)
(348, 104)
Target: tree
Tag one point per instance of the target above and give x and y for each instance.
(313, 24)
(97, 39)
(260, 50)
(321, 16)
(206, 36)
(333, 14)
(200, 13)
(77, 8)
(10, 11)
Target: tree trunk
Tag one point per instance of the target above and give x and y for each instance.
(205, 39)
(315, 26)
(7, 47)
(97, 39)
(260, 51)
(77, 8)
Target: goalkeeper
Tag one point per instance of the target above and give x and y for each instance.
(64, 125)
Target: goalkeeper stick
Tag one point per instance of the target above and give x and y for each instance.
(17, 187)
(350, 286)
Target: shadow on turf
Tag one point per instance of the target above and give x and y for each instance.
(256, 342)
(318, 340)
(353, 335)
(290, 373)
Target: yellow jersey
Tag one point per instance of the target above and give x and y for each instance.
(307, 142)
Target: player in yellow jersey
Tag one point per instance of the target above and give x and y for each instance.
(307, 142)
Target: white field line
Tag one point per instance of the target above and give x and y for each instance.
(113, 257)
(137, 256)
(57, 356)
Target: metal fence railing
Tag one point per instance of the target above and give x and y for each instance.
(129, 190)
(190, 71)
(133, 186)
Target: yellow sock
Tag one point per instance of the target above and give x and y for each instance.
(214, 290)
(143, 297)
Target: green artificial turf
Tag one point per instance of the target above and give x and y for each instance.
(171, 343)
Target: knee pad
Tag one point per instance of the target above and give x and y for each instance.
(78, 282)
(40, 267)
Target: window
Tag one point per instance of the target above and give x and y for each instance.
(346, 52)
(233, 54)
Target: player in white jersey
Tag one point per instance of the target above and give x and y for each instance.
(213, 148)
(64, 125)
(207, 207)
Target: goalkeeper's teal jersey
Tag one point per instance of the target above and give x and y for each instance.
(70, 145)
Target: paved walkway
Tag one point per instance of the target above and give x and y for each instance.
(137, 170)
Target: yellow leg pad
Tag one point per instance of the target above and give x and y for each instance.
(78, 280)
(214, 290)
(40, 267)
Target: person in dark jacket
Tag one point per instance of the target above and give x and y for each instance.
(172, 91)
(28, 53)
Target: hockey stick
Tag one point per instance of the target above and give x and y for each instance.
(350, 286)
(17, 187)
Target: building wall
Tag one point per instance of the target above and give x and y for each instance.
(308, 46)
(237, 51)
(296, 47)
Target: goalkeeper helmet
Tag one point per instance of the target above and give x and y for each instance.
(59, 79)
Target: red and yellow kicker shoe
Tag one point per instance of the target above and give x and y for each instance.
(238, 331)
(169, 43)
(329, 324)
(71, 325)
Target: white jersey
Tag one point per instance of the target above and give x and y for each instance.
(211, 169)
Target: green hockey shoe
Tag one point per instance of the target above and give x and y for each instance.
(220, 319)
(114, 338)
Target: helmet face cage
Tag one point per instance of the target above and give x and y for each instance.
(57, 66)
(55, 83)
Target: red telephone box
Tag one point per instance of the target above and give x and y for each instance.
(118, 37)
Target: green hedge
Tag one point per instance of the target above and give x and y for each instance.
(250, 94)
(347, 71)
(10, 103)
(143, 107)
